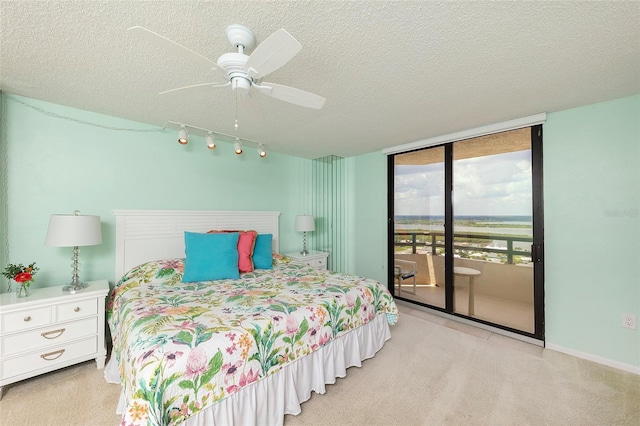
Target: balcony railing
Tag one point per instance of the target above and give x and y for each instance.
(435, 240)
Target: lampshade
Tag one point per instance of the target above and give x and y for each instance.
(305, 223)
(69, 230)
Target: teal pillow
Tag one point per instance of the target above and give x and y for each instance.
(210, 257)
(262, 256)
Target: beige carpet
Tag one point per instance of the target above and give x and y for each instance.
(432, 372)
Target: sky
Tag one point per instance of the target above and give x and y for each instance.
(491, 185)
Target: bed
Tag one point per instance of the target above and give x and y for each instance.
(242, 351)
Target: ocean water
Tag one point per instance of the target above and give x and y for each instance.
(478, 218)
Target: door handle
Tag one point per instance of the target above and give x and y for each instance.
(536, 253)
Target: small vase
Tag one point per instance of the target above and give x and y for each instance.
(22, 290)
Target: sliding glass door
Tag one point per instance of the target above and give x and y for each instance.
(463, 218)
(418, 237)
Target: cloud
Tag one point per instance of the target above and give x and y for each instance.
(490, 185)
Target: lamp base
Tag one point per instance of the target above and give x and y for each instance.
(74, 287)
(304, 251)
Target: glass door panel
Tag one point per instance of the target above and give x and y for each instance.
(418, 240)
(493, 229)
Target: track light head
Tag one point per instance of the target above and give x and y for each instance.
(237, 146)
(261, 152)
(183, 136)
(211, 141)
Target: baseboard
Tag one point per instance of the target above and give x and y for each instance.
(598, 359)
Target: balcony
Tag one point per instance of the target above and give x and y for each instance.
(503, 291)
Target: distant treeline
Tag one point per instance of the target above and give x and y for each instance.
(485, 221)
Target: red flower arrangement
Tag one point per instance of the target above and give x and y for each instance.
(21, 274)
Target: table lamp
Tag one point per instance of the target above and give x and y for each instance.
(305, 223)
(73, 230)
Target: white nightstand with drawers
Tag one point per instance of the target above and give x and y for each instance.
(50, 330)
(315, 259)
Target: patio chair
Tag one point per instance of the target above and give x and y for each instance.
(403, 270)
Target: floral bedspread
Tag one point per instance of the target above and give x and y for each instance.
(183, 346)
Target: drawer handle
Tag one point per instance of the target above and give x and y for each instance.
(58, 333)
(59, 353)
(76, 309)
(27, 319)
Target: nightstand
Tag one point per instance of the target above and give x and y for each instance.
(50, 330)
(315, 259)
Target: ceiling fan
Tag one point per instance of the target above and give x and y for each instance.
(244, 73)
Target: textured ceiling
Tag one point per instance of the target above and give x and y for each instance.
(392, 72)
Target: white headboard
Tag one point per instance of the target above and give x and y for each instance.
(146, 235)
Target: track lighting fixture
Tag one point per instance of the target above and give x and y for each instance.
(211, 142)
(212, 137)
(237, 146)
(183, 135)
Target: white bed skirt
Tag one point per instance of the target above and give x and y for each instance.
(266, 401)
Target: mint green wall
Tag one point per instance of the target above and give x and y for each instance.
(3, 194)
(57, 166)
(367, 180)
(592, 228)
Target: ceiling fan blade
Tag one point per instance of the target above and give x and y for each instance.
(172, 46)
(292, 95)
(195, 86)
(278, 49)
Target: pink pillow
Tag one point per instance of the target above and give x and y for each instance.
(246, 243)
